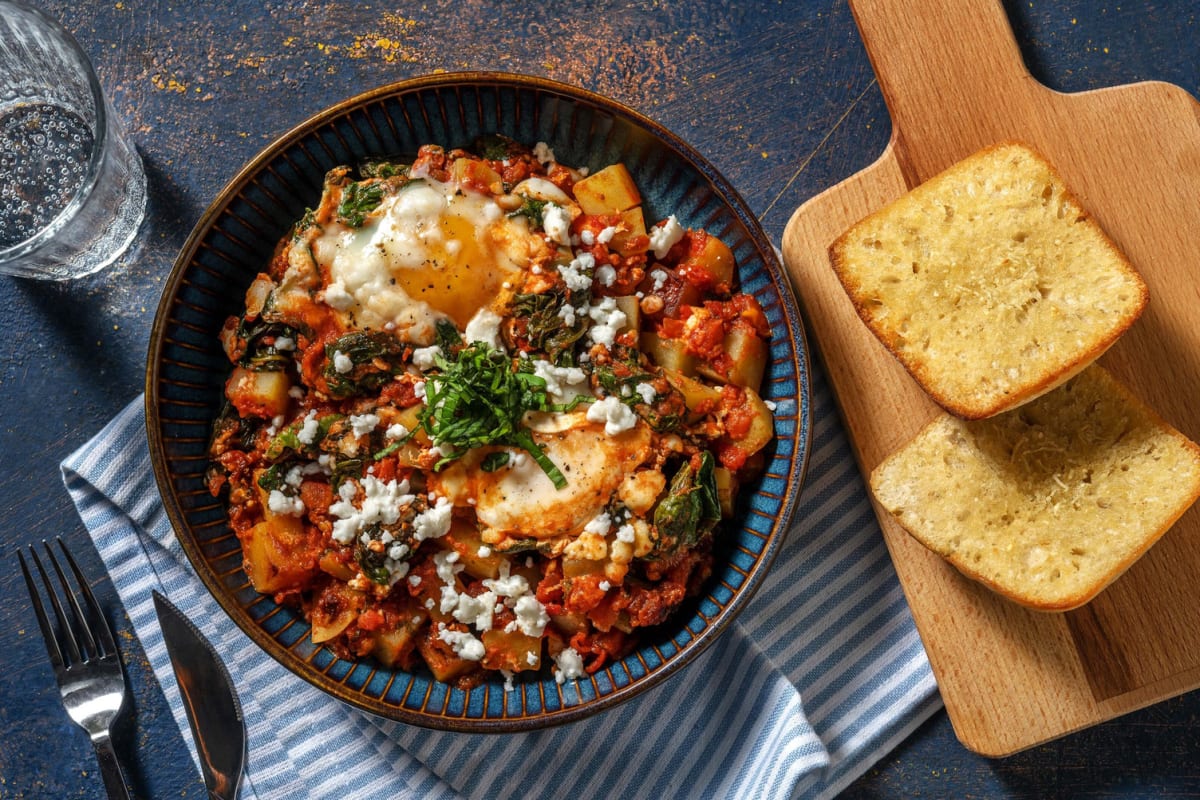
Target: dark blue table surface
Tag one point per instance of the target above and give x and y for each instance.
(778, 95)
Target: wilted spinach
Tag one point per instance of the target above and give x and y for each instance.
(375, 357)
(690, 509)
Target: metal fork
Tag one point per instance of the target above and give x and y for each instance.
(85, 658)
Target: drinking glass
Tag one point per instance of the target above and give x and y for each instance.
(72, 189)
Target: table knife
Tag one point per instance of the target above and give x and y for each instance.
(212, 706)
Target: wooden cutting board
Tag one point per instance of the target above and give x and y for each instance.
(953, 80)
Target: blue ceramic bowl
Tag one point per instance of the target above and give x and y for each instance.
(233, 241)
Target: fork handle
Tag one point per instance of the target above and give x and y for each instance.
(110, 767)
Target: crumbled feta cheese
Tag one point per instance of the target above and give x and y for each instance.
(543, 153)
(605, 236)
(485, 327)
(419, 390)
(395, 431)
(532, 618)
(577, 274)
(285, 504)
(587, 237)
(363, 424)
(600, 524)
(336, 296)
(462, 643)
(294, 476)
(563, 384)
(476, 611)
(607, 320)
(484, 551)
(606, 275)
(659, 277)
(771, 405)
(570, 666)
(283, 343)
(625, 534)
(567, 315)
(342, 362)
(381, 504)
(423, 357)
(396, 568)
(507, 585)
(616, 416)
(296, 392)
(433, 522)
(647, 392)
(663, 237)
(531, 615)
(556, 221)
(308, 429)
(604, 586)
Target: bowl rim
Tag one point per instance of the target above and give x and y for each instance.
(303, 669)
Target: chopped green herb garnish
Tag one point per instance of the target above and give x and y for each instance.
(478, 399)
(494, 461)
(391, 448)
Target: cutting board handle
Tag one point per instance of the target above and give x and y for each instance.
(942, 65)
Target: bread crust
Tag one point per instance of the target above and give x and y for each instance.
(916, 486)
(926, 370)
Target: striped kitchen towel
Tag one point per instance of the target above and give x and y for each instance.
(817, 679)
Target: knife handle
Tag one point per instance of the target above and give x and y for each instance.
(110, 768)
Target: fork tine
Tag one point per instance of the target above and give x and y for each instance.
(98, 626)
(67, 640)
(39, 610)
(83, 626)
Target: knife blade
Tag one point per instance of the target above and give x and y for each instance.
(213, 711)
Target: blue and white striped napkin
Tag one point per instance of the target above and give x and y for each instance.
(817, 679)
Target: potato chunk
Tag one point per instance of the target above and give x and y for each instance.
(609, 191)
(258, 394)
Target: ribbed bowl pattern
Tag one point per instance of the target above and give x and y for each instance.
(233, 241)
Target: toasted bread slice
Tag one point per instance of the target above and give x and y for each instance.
(989, 282)
(1048, 503)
